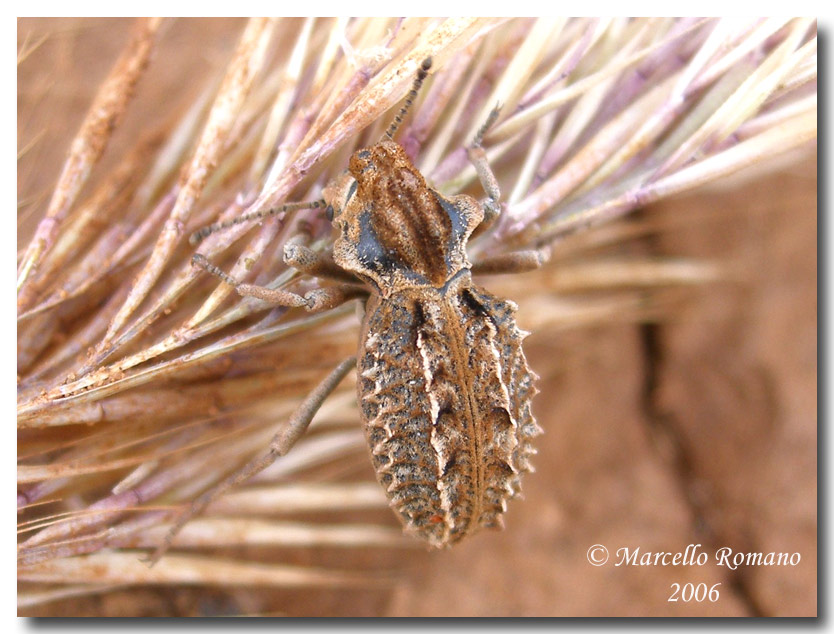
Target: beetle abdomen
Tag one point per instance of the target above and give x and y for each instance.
(444, 389)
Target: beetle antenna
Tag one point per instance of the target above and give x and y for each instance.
(422, 73)
(201, 234)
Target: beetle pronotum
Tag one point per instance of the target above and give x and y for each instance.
(444, 388)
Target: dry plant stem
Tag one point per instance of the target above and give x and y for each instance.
(746, 99)
(318, 450)
(166, 405)
(664, 115)
(299, 126)
(87, 148)
(776, 118)
(278, 115)
(323, 110)
(83, 544)
(70, 533)
(443, 94)
(437, 147)
(36, 333)
(27, 47)
(87, 264)
(218, 532)
(127, 252)
(586, 160)
(126, 567)
(236, 85)
(592, 105)
(176, 471)
(114, 194)
(652, 128)
(275, 191)
(186, 276)
(771, 143)
(280, 445)
(294, 498)
(571, 127)
(747, 43)
(534, 112)
(589, 32)
(561, 314)
(530, 173)
(81, 397)
(33, 599)
(625, 274)
(176, 149)
(717, 39)
(523, 63)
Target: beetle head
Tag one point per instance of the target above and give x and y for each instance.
(393, 228)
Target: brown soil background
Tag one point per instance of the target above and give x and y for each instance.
(699, 430)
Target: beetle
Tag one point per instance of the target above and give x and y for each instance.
(443, 384)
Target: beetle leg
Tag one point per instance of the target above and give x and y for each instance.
(314, 301)
(271, 295)
(332, 296)
(281, 443)
(313, 263)
(516, 262)
(477, 154)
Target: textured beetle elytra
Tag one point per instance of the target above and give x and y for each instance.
(443, 387)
